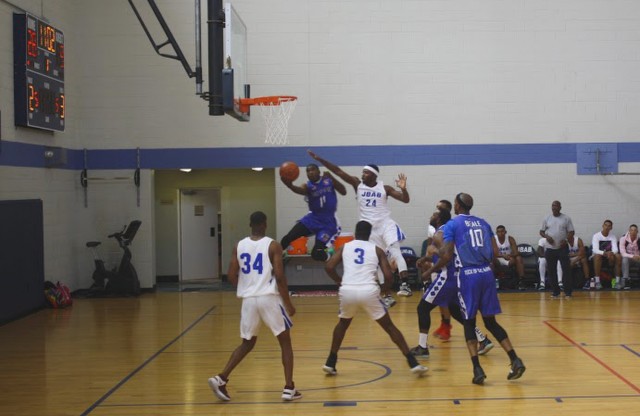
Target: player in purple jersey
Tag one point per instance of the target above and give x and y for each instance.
(471, 238)
(320, 194)
(443, 292)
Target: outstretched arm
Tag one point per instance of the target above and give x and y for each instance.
(352, 180)
(337, 185)
(301, 190)
(402, 194)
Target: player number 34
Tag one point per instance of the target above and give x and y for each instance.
(247, 264)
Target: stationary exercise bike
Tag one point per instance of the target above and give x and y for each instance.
(124, 279)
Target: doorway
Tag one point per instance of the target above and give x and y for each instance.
(198, 231)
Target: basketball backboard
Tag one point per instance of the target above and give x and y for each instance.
(235, 84)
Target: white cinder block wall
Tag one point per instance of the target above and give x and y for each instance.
(367, 72)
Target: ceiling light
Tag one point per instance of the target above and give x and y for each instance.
(185, 170)
(257, 169)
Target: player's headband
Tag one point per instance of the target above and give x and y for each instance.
(371, 169)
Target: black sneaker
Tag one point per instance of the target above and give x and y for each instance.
(420, 352)
(485, 346)
(517, 369)
(478, 375)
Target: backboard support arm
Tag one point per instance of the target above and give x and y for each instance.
(171, 40)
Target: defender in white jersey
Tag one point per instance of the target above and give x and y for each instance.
(256, 268)
(359, 289)
(372, 197)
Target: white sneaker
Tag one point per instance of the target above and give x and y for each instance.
(419, 370)
(329, 370)
(405, 290)
(218, 385)
(541, 287)
(389, 301)
(290, 394)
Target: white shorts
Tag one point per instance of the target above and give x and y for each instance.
(366, 297)
(267, 309)
(385, 233)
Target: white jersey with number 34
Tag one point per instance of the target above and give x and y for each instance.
(256, 271)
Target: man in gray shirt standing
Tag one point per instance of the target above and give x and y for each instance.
(556, 229)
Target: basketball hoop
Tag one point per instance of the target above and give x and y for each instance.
(276, 111)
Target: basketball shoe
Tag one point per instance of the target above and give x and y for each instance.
(443, 332)
(405, 290)
(219, 387)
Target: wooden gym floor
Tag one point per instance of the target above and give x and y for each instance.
(152, 355)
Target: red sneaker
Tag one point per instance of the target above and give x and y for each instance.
(443, 332)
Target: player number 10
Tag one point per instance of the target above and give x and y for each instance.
(476, 238)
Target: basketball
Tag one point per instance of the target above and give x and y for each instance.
(289, 171)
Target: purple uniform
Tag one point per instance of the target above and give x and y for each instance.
(444, 289)
(323, 203)
(472, 238)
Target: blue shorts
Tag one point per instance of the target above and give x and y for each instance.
(478, 292)
(443, 290)
(325, 228)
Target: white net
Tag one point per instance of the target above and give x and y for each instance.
(276, 118)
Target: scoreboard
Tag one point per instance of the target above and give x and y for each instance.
(38, 73)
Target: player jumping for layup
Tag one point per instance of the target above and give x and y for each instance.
(320, 193)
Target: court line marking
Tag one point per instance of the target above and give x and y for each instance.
(626, 347)
(453, 400)
(144, 364)
(386, 374)
(596, 359)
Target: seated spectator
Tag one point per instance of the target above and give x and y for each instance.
(605, 246)
(508, 255)
(577, 256)
(542, 265)
(630, 252)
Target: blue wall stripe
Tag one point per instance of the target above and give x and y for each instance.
(628, 152)
(30, 155)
